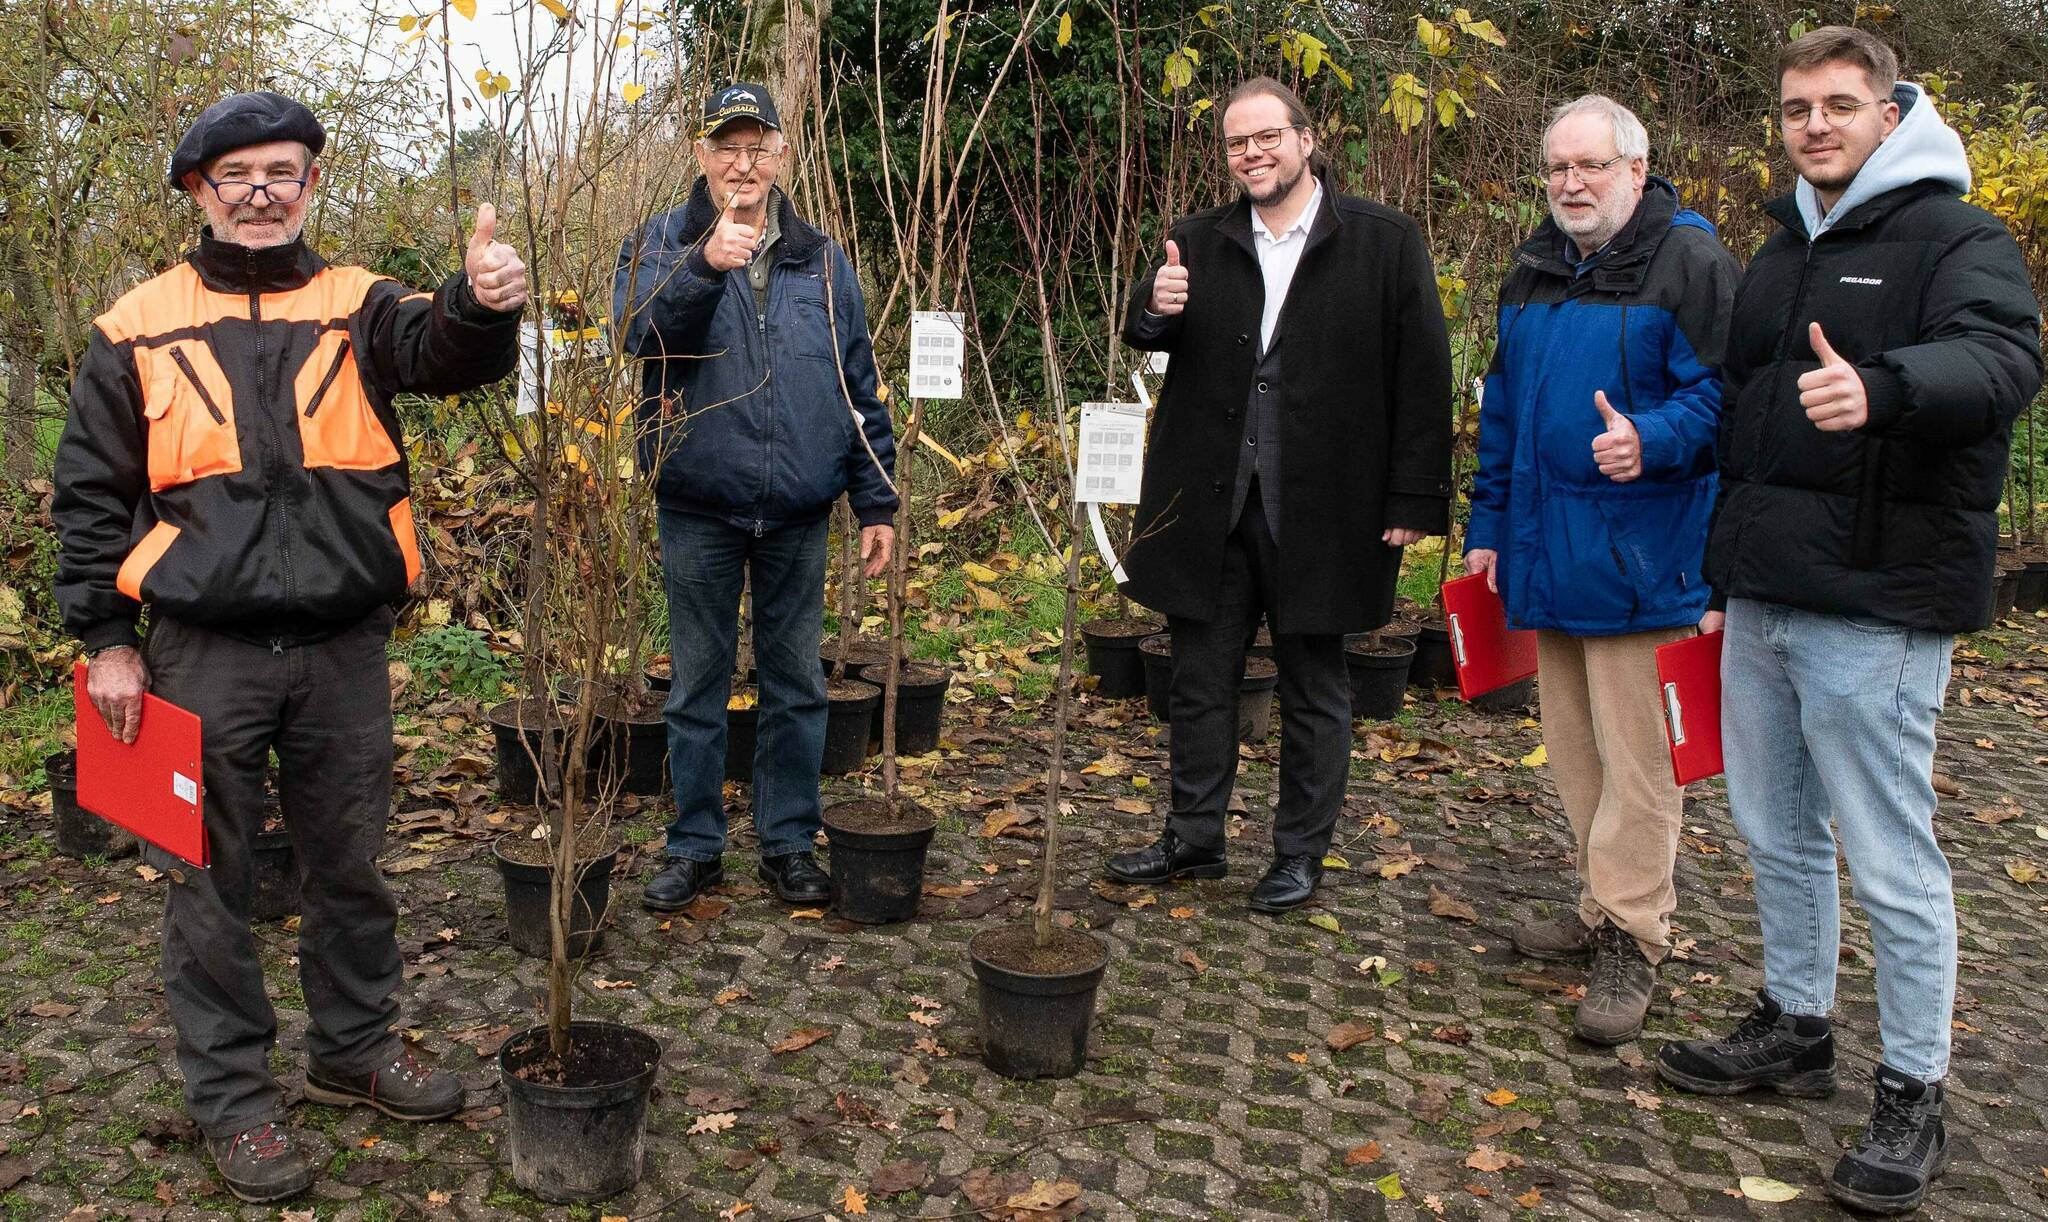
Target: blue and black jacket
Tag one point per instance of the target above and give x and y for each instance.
(1645, 321)
(758, 417)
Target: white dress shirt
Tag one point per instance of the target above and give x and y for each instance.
(1279, 255)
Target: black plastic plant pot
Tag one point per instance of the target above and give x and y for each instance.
(631, 748)
(740, 724)
(920, 708)
(530, 739)
(1157, 652)
(851, 709)
(1255, 699)
(1036, 1003)
(1507, 699)
(523, 864)
(860, 655)
(2031, 593)
(878, 853)
(1433, 666)
(2005, 592)
(578, 1123)
(1379, 674)
(660, 675)
(1113, 656)
(80, 833)
(274, 876)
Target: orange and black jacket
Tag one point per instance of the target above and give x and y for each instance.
(232, 457)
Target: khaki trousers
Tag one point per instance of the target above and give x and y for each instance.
(1603, 730)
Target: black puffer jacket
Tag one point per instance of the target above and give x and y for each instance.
(1928, 297)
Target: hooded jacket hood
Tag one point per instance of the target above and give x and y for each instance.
(1920, 148)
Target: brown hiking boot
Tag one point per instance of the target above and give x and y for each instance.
(1617, 989)
(261, 1163)
(405, 1089)
(1564, 938)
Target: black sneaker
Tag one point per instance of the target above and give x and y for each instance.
(262, 1163)
(405, 1089)
(1904, 1147)
(1792, 1054)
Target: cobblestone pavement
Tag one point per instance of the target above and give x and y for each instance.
(1213, 1089)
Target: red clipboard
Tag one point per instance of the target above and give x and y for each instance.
(152, 786)
(1488, 653)
(1689, 675)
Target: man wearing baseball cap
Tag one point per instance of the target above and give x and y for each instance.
(758, 409)
(233, 461)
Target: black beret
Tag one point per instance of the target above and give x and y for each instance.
(240, 120)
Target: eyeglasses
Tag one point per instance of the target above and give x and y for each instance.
(1267, 140)
(1839, 112)
(235, 191)
(1588, 171)
(726, 154)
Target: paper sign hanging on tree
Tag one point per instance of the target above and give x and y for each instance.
(1112, 467)
(938, 354)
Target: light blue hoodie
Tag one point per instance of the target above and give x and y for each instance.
(1920, 147)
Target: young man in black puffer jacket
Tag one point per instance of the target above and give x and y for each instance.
(1884, 341)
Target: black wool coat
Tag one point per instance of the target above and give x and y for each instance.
(1365, 409)
(1928, 297)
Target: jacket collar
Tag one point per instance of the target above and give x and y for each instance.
(800, 239)
(1626, 261)
(1237, 222)
(226, 267)
(1786, 211)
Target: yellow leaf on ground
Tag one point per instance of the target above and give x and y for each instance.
(980, 572)
(1333, 861)
(951, 518)
(2022, 872)
(1323, 920)
(1536, 758)
(1390, 1186)
(852, 1201)
(1501, 1097)
(1761, 1188)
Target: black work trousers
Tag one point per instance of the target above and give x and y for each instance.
(326, 710)
(1315, 703)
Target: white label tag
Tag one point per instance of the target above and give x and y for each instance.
(185, 788)
(1112, 470)
(1158, 362)
(938, 354)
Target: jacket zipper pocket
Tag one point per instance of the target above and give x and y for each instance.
(333, 371)
(184, 364)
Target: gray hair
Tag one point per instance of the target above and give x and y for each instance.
(1630, 138)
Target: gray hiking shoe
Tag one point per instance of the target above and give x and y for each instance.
(404, 1089)
(1617, 989)
(262, 1163)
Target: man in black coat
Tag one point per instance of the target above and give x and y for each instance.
(1884, 341)
(1303, 438)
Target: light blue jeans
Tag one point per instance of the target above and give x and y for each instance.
(1827, 717)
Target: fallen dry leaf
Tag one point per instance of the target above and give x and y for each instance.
(903, 1175)
(1763, 1188)
(1347, 1035)
(800, 1039)
(1530, 1199)
(1193, 961)
(1646, 1100)
(714, 1122)
(52, 1009)
(1044, 1195)
(1444, 904)
(602, 983)
(1362, 1156)
(853, 1201)
(1486, 1158)
(1501, 1097)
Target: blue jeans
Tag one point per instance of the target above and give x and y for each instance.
(702, 562)
(1827, 716)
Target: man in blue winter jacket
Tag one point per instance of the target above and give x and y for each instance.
(1589, 513)
(758, 409)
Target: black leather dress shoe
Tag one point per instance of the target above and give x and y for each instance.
(679, 883)
(1288, 883)
(1166, 859)
(797, 878)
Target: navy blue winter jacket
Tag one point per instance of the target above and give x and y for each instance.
(748, 416)
(1646, 322)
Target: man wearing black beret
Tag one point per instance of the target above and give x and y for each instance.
(233, 461)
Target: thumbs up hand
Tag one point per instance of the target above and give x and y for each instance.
(497, 275)
(1170, 286)
(1617, 450)
(1832, 395)
(730, 245)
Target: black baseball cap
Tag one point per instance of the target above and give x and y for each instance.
(240, 120)
(740, 100)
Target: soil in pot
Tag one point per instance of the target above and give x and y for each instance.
(1157, 653)
(851, 709)
(530, 740)
(1433, 666)
(1379, 673)
(524, 863)
(659, 673)
(578, 1122)
(274, 872)
(1036, 1002)
(878, 852)
(920, 708)
(80, 833)
(1113, 656)
(631, 747)
(1255, 699)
